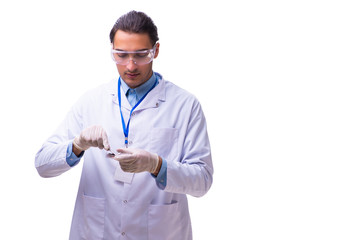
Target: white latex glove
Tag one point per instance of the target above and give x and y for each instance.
(137, 160)
(94, 136)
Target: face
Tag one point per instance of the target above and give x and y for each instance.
(132, 74)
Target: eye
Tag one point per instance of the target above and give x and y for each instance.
(122, 55)
(142, 54)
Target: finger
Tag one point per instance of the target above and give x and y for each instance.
(84, 135)
(106, 142)
(124, 158)
(90, 136)
(99, 137)
(104, 139)
(100, 143)
(124, 150)
(83, 140)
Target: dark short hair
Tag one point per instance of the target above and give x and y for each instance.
(135, 22)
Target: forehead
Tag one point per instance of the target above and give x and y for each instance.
(131, 41)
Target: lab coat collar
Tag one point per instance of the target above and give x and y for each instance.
(152, 100)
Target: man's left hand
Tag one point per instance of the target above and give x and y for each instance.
(137, 160)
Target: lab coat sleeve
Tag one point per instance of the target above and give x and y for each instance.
(50, 160)
(193, 174)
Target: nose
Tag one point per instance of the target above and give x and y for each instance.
(131, 66)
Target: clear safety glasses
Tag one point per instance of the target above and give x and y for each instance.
(138, 57)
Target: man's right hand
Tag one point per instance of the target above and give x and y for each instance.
(94, 136)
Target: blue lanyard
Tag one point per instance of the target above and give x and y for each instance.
(126, 128)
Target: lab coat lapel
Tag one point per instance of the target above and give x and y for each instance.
(153, 99)
(113, 91)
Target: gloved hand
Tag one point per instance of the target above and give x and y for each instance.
(94, 136)
(137, 160)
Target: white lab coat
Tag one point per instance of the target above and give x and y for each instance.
(168, 122)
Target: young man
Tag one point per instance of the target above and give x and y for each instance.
(144, 143)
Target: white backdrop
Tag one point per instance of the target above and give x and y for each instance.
(278, 82)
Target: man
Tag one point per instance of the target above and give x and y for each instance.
(137, 191)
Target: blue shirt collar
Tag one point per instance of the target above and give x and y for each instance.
(142, 89)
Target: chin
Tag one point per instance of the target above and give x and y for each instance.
(133, 83)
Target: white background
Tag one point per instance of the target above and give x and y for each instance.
(278, 82)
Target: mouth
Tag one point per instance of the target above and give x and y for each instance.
(132, 75)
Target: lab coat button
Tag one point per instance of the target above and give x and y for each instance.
(123, 233)
(125, 201)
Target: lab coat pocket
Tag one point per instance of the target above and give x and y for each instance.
(94, 215)
(164, 222)
(164, 142)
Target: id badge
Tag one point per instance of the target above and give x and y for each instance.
(122, 176)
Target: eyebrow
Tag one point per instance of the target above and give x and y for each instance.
(144, 49)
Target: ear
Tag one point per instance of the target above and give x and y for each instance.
(157, 50)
